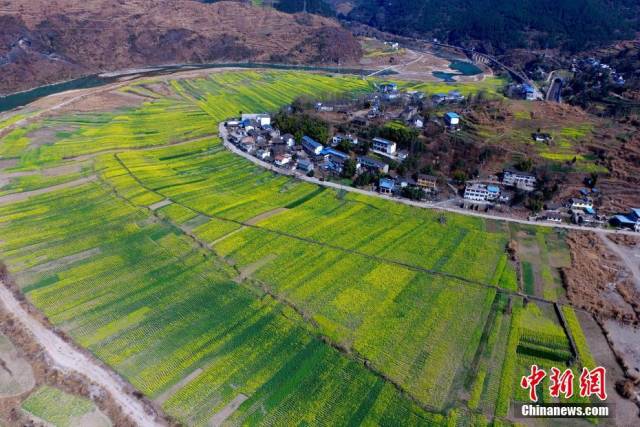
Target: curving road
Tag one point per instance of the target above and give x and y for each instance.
(425, 205)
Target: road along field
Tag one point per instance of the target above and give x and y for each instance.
(233, 295)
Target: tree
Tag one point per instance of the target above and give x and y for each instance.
(525, 165)
(459, 176)
(344, 146)
(534, 203)
(349, 168)
(412, 193)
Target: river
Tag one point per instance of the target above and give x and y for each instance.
(20, 99)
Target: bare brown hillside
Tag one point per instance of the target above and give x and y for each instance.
(47, 41)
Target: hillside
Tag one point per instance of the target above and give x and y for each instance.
(492, 25)
(41, 44)
(502, 24)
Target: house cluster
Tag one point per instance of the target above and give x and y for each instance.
(254, 134)
(521, 91)
(580, 210)
(500, 191)
(629, 220)
(597, 68)
(451, 97)
(426, 184)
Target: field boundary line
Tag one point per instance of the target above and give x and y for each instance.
(462, 280)
(19, 197)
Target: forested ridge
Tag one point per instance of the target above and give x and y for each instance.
(572, 25)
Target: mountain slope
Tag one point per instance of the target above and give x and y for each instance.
(504, 24)
(43, 42)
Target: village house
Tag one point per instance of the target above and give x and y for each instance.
(552, 216)
(452, 120)
(339, 137)
(416, 122)
(528, 92)
(404, 182)
(288, 139)
(282, 159)
(428, 183)
(247, 144)
(580, 204)
(541, 137)
(630, 220)
(261, 119)
(262, 154)
(388, 88)
(304, 165)
(323, 108)
(517, 179)
(453, 96)
(334, 160)
(481, 192)
(372, 165)
(386, 186)
(359, 123)
(311, 146)
(384, 146)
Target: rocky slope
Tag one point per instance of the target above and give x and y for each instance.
(43, 42)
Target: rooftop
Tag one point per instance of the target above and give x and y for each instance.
(312, 142)
(387, 183)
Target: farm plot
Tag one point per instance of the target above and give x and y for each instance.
(542, 252)
(404, 322)
(305, 306)
(154, 306)
(61, 409)
(536, 338)
(219, 184)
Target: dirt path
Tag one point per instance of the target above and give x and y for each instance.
(265, 215)
(630, 258)
(68, 358)
(19, 197)
(227, 411)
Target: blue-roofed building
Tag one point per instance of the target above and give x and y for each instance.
(304, 165)
(333, 152)
(372, 165)
(452, 119)
(386, 186)
(311, 146)
(493, 192)
(630, 220)
(334, 160)
(388, 87)
(589, 211)
(528, 92)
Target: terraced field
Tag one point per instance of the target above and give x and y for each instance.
(227, 293)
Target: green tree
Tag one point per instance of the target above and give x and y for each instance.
(349, 168)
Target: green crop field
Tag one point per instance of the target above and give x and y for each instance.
(205, 280)
(61, 409)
